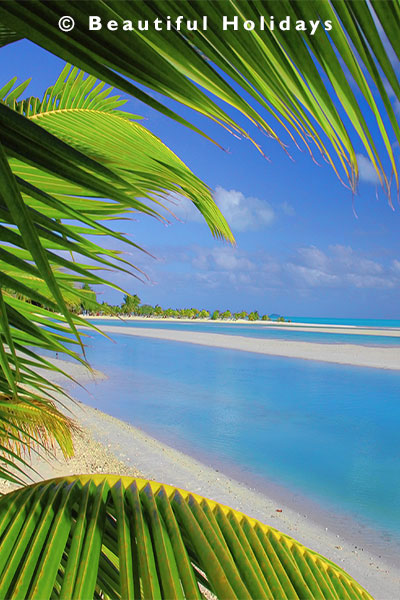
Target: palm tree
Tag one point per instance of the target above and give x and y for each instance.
(330, 93)
(38, 283)
(309, 85)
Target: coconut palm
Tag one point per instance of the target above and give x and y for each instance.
(47, 258)
(106, 536)
(330, 93)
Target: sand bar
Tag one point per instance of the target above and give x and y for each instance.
(346, 354)
(318, 327)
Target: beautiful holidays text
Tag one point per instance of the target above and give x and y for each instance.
(228, 23)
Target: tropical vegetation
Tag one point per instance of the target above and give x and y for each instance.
(81, 545)
(71, 163)
(132, 307)
(51, 205)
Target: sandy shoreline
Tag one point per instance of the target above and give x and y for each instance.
(91, 455)
(160, 462)
(109, 445)
(346, 354)
(320, 327)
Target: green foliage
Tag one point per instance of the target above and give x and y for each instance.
(226, 314)
(89, 302)
(324, 89)
(107, 310)
(116, 537)
(254, 316)
(69, 163)
(240, 315)
(74, 157)
(145, 310)
(130, 304)
(158, 311)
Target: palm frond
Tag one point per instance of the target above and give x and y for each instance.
(7, 36)
(71, 162)
(78, 111)
(313, 85)
(116, 537)
(34, 423)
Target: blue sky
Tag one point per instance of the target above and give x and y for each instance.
(300, 248)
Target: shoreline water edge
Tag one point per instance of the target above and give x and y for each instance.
(106, 444)
(340, 353)
(273, 324)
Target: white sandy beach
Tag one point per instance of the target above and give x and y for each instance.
(319, 327)
(108, 445)
(346, 354)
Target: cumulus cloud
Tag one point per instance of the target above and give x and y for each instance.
(313, 257)
(310, 267)
(222, 266)
(223, 259)
(366, 169)
(340, 266)
(337, 267)
(309, 276)
(304, 272)
(243, 213)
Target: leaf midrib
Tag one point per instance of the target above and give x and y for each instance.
(88, 110)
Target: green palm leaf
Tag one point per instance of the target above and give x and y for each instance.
(62, 158)
(107, 536)
(7, 36)
(78, 111)
(312, 85)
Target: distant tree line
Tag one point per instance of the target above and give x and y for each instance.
(84, 301)
(131, 306)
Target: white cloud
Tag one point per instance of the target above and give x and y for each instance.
(221, 266)
(309, 276)
(370, 281)
(222, 259)
(349, 260)
(306, 271)
(287, 209)
(313, 257)
(340, 266)
(242, 213)
(366, 169)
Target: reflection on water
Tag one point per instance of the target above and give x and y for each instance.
(329, 431)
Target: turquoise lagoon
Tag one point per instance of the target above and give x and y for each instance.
(380, 323)
(256, 330)
(329, 432)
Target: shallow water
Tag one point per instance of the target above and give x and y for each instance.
(380, 323)
(260, 331)
(328, 431)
